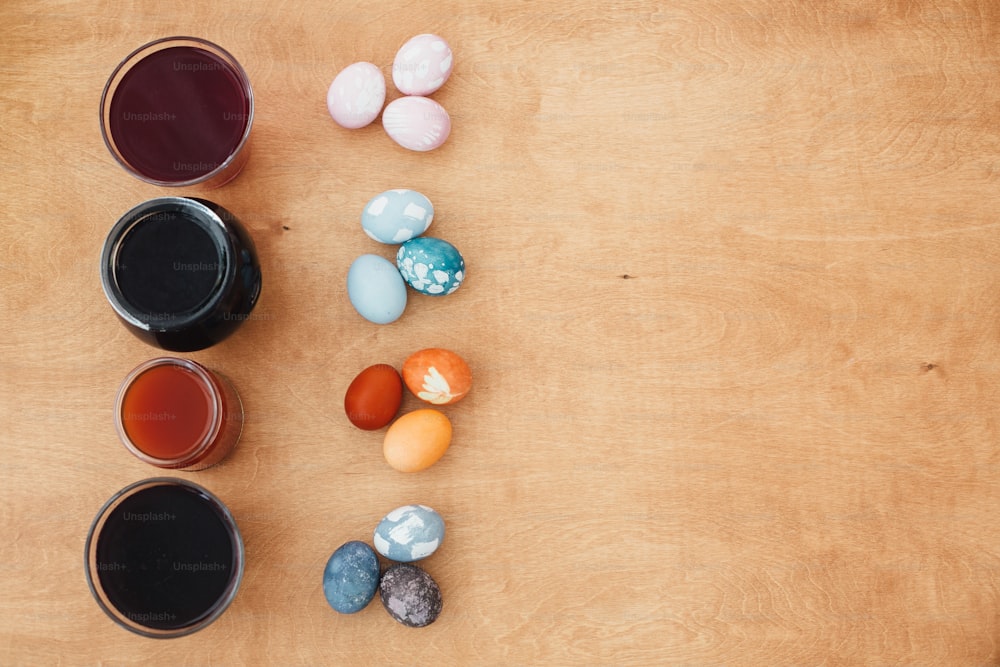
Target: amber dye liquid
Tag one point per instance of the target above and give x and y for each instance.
(175, 413)
(168, 411)
(178, 114)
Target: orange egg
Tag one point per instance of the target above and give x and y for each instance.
(417, 440)
(437, 376)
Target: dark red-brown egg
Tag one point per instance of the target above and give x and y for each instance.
(374, 397)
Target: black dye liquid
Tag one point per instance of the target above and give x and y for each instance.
(165, 557)
(167, 265)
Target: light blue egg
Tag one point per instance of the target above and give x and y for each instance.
(431, 266)
(395, 216)
(409, 533)
(376, 289)
(351, 577)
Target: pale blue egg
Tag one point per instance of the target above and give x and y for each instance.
(409, 533)
(395, 216)
(376, 289)
(431, 266)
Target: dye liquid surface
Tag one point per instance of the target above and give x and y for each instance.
(178, 114)
(167, 265)
(165, 557)
(167, 411)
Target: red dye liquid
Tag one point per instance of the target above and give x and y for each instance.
(178, 114)
(167, 411)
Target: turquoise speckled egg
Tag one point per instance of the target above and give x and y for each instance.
(431, 266)
(409, 533)
(395, 216)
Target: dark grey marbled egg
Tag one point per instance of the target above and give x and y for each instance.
(410, 595)
(351, 577)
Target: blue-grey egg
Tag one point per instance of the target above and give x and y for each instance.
(376, 289)
(395, 216)
(431, 266)
(351, 577)
(410, 595)
(409, 533)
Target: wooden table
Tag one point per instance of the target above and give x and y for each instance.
(732, 310)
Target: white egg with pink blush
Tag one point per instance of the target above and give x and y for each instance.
(422, 65)
(417, 123)
(356, 96)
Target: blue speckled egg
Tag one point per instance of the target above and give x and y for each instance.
(409, 533)
(395, 216)
(431, 266)
(351, 577)
(376, 289)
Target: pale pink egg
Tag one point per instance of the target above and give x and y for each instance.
(356, 96)
(417, 123)
(422, 65)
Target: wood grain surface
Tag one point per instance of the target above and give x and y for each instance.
(732, 310)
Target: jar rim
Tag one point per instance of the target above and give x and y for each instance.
(211, 434)
(196, 212)
(90, 558)
(137, 56)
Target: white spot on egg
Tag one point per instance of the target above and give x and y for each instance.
(415, 211)
(403, 533)
(378, 206)
(435, 289)
(441, 276)
(423, 549)
(401, 235)
(397, 513)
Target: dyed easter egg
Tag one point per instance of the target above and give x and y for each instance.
(373, 397)
(351, 577)
(417, 440)
(409, 533)
(417, 123)
(422, 65)
(376, 289)
(431, 266)
(437, 376)
(410, 595)
(395, 216)
(356, 96)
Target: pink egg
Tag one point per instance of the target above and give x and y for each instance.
(417, 123)
(422, 65)
(356, 96)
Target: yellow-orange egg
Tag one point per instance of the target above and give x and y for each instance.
(437, 376)
(417, 440)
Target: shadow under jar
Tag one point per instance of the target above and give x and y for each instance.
(178, 111)
(182, 273)
(164, 557)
